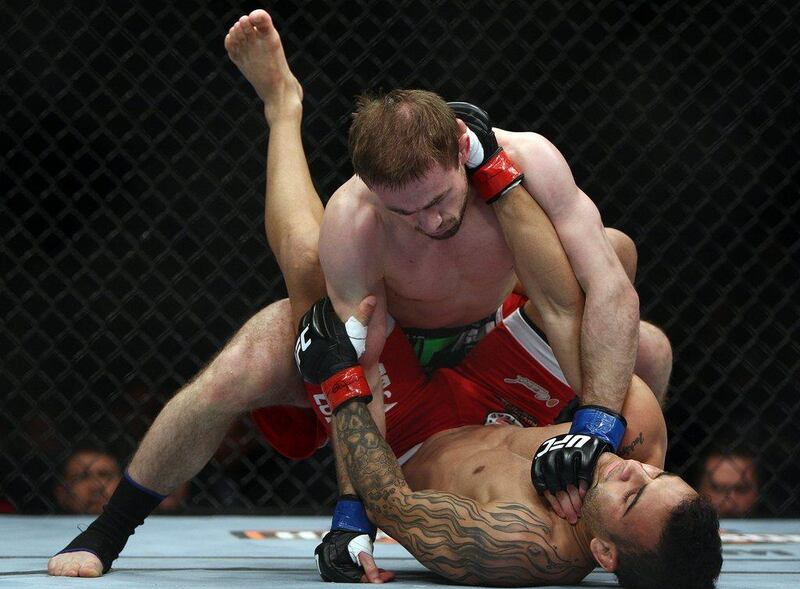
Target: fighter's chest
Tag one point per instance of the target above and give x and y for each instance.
(472, 261)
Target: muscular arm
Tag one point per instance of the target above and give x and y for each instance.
(608, 326)
(351, 255)
(458, 538)
(350, 247)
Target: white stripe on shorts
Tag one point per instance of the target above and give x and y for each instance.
(532, 342)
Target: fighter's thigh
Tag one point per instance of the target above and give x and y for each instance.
(625, 249)
(256, 368)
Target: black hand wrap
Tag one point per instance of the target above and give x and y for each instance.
(495, 174)
(326, 356)
(107, 535)
(333, 557)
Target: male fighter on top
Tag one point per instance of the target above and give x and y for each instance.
(464, 504)
(429, 283)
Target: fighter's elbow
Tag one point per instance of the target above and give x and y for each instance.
(389, 506)
(617, 299)
(617, 294)
(628, 300)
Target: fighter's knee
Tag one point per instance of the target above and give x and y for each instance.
(255, 365)
(625, 249)
(300, 262)
(294, 242)
(654, 343)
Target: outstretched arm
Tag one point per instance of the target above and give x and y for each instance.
(458, 538)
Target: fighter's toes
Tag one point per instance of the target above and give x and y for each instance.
(246, 26)
(235, 40)
(261, 21)
(75, 564)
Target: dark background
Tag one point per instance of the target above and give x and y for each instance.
(132, 220)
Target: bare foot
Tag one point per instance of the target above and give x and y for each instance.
(255, 47)
(75, 564)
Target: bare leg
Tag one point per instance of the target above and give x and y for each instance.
(293, 208)
(236, 381)
(256, 367)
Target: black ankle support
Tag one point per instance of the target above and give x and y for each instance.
(107, 535)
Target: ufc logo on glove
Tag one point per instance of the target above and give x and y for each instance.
(567, 441)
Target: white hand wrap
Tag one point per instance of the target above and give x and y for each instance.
(358, 335)
(358, 545)
(476, 155)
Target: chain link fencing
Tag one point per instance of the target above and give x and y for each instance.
(132, 217)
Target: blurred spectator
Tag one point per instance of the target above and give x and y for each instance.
(88, 477)
(729, 480)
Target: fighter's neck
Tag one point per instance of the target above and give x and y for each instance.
(583, 536)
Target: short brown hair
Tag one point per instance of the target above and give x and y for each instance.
(396, 138)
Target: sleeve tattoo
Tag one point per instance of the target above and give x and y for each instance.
(458, 538)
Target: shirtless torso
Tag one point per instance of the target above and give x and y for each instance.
(467, 508)
(428, 283)
(492, 464)
(451, 282)
(436, 256)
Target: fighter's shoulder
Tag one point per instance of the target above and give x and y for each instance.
(353, 212)
(353, 203)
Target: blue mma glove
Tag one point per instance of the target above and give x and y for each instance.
(567, 459)
(351, 534)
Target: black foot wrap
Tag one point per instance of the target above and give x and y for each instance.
(107, 535)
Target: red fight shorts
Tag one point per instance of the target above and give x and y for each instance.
(511, 376)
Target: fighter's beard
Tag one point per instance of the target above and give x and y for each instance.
(456, 226)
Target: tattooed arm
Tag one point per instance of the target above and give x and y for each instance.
(462, 540)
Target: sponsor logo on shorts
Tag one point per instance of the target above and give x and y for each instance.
(497, 418)
(385, 383)
(521, 416)
(541, 393)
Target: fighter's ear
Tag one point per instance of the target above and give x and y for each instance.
(463, 142)
(605, 553)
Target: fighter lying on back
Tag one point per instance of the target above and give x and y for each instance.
(465, 507)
